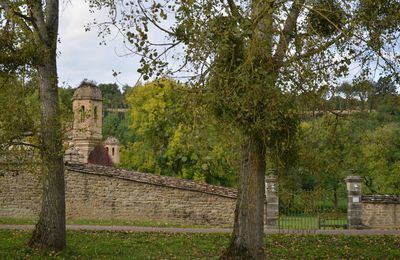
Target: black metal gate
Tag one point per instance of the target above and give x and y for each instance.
(312, 209)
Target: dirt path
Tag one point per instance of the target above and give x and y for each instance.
(211, 230)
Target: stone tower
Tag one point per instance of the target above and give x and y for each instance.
(112, 147)
(87, 104)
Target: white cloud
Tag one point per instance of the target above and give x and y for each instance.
(81, 55)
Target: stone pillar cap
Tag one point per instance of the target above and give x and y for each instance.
(354, 178)
(270, 178)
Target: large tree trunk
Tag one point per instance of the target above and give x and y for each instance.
(248, 232)
(50, 230)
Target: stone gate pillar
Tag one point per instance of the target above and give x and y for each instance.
(272, 202)
(353, 184)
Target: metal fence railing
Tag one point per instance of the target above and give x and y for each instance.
(312, 210)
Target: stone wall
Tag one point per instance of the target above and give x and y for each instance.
(96, 192)
(380, 211)
(19, 194)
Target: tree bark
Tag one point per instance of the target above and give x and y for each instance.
(50, 231)
(248, 231)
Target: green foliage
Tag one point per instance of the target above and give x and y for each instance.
(66, 112)
(176, 135)
(326, 17)
(381, 151)
(327, 151)
(20, 109)
(112, 96)
(125, 134)
(16, 109)
(254, 59)
(17, 48)
(111, 123)
(19, 119)
(381, 21)
(115, 122)
(65, 98)
(351, 139)
(332, 147)
(139, 156)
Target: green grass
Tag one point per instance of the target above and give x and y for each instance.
(118, 245)
(125, 245)
(121, 222)
(333, 247)
(99, 222)
(298, 222)
(17, 221)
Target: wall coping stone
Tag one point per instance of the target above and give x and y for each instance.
(381, 199)
(152, 179)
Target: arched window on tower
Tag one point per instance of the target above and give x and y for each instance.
(95, 113)
(112, 151)
(82, 111)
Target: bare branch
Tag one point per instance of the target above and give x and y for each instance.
(287, 33)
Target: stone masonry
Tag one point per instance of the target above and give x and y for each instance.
(381, 211)
(354, 205)
(20, 195)
(97, 192)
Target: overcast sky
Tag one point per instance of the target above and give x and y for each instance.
(81, 56)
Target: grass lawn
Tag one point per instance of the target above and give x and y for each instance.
(125, 245)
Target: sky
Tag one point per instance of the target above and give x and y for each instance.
(82, 57)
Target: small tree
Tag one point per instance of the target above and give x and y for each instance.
(30, 29)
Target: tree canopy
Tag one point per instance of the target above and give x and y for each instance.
(175, 134)
(254, 57)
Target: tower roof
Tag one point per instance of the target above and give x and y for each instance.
(87, 90)
(111, 140)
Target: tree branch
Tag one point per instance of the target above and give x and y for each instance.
(25, 144)
(233, 8)
(51, 19)
(11, 12)
(152, 20)
(317, 49)
(287, 33)
(36, 8)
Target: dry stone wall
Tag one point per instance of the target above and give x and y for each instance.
(96, 192)
(380, 211)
